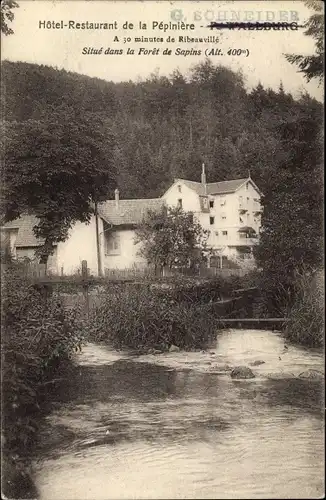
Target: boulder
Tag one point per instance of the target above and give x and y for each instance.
(174, 348)
(257, 363)
(242, 372)
(311, 374)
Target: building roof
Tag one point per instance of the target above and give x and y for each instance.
(223, 187)
(129, 212)
(25, 236)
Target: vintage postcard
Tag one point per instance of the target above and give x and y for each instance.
(162, 249)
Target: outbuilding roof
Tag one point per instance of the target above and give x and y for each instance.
(25, 236)
(128, 212)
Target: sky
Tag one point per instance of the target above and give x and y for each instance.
(262, 61)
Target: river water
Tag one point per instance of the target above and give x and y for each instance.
(176, 425)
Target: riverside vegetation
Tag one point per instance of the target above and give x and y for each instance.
(143, 318)
(38, 338)
(157, 316)
(179, 312)
(306, 312)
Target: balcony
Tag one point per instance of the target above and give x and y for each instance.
(242, 209)
(247, 236)
(244, 242)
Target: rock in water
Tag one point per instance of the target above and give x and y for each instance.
(174, 348)
(242, 372)
(311, 374)
(257, 363)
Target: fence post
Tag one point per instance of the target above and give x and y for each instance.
(85, 285)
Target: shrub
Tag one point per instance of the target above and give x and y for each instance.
(140, 317)
(208, 290)
(306, 314)
(38, 335)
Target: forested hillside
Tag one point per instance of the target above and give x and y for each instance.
(166, 127)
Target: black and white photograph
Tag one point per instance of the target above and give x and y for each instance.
(162, 249)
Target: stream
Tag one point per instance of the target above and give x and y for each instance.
(176, 425)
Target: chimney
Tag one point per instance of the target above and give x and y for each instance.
(203, 178)
(116, 197)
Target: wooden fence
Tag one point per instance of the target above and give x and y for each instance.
(35, 270)
(170, 273)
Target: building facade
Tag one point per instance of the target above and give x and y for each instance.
(107, 245)
(229, 210)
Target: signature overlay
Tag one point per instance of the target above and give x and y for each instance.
(256, 26)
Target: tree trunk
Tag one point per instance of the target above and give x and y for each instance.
(45, 251)
(44, 259)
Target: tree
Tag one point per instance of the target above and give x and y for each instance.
(171, 238)
(312, 66)
(56, 168)
(7, 15)
(292, 222)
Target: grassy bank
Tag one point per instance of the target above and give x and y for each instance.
(38, 336)
(158, 314)
(306, 313)
(142, 317)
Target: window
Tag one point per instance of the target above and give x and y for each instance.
(223, 201)
(224, 233)
(241, 220)
(223, 215)
(112, 244)
(247, 185)
(179, 188)
(211, 220)
(248, 198)
(211, 204)
(205, 202)
(216, 233)
(179, 203)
